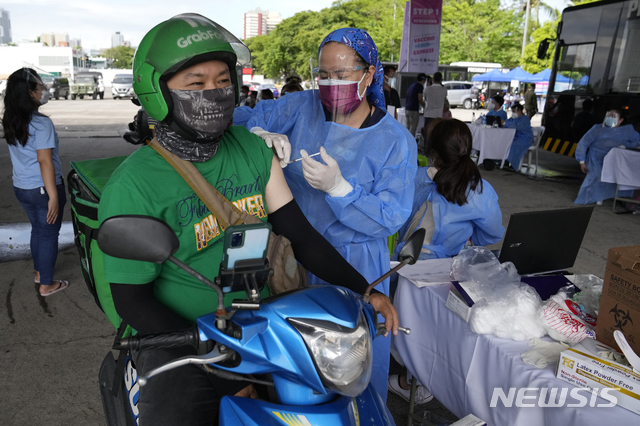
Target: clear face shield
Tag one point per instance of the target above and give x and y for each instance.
(341, 81)
(611, 119)
(41, 93)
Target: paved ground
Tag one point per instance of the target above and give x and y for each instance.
(51, 348)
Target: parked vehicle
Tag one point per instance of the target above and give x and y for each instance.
(85, 84)
(269, 86)
(122, 86)
(57, 86)
(459, 93)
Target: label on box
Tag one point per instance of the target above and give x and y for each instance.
(457, 305)
(583, 366)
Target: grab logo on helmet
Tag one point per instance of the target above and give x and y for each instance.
(194, 38)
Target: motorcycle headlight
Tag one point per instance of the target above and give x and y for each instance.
(342, 355)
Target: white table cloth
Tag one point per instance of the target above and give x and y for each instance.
(622, 166)
(462, 368)
(493, 143)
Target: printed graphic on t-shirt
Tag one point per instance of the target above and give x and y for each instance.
(208, 227)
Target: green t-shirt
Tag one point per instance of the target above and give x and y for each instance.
(145, 184)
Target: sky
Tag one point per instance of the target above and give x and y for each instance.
(94, 21)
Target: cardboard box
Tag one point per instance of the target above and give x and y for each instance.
(461, 298)
(582, 366)
(620, 302)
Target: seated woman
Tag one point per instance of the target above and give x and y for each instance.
(593, 146)
(453, 204)
(523, 138)
(495, 108)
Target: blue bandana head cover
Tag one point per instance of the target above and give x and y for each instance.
(362, 43)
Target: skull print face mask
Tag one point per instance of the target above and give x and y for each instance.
(206, 112)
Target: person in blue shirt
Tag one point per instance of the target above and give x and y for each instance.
(592, 148)
(495, 108)
(361, 190)
(37, 176)
(453, 204)
(523, 138)
(415, 99)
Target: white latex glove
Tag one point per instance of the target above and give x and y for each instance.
(278, 141)
(543, 352)
(325, 178)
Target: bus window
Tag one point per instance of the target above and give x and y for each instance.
(574, 68)
(626, 72)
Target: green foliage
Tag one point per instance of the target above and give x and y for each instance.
(480, 31)
(530, 61)
(122, 56)
(288, 49)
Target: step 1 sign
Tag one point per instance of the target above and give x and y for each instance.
(421, 36)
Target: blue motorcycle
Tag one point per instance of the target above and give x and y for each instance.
(315, 356)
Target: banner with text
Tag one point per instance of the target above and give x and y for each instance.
(421, 36)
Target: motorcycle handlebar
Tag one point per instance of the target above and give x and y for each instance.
(169, 340)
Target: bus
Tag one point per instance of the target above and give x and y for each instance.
(597, 59)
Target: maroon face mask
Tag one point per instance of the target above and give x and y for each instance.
(340, 96)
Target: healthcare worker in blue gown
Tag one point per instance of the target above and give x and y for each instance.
(452, 204)
(523, 138)
(359, 191)
(592, 148)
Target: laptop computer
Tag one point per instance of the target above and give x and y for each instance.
(544, 241)
(493, 118)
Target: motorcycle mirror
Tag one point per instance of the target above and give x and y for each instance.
(411, 249)
(408, 255)
(135, 101)
(136, 237)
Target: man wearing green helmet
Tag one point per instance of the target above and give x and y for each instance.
(185, 77)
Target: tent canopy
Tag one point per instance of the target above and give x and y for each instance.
(493, 75)
(517, 74)
(545, 75)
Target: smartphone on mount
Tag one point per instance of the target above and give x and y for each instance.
(244, 242)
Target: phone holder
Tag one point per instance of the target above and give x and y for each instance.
(248, 275)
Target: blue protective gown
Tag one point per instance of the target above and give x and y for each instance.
(593, 146)
(522, 140)
(479, 219)
(379, 162)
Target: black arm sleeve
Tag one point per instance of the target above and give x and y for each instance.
(139, 308)
(313, 251)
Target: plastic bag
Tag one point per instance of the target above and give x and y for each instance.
(564, 320)
(507, 308)
(589, 296)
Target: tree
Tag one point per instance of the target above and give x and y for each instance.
(122, 56)
(480, 31)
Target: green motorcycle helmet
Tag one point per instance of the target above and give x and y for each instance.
(175, 44)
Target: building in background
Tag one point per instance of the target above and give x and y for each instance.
(62, 61)
(117, 39)
(260, 22)
(56, 39)
(75, 43)
(5, 26)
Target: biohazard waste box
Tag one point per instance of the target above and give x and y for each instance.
(620, 302)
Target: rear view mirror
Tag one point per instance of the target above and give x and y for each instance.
(135, 101)
(137, 237)
(542, 49)
(411, 250)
